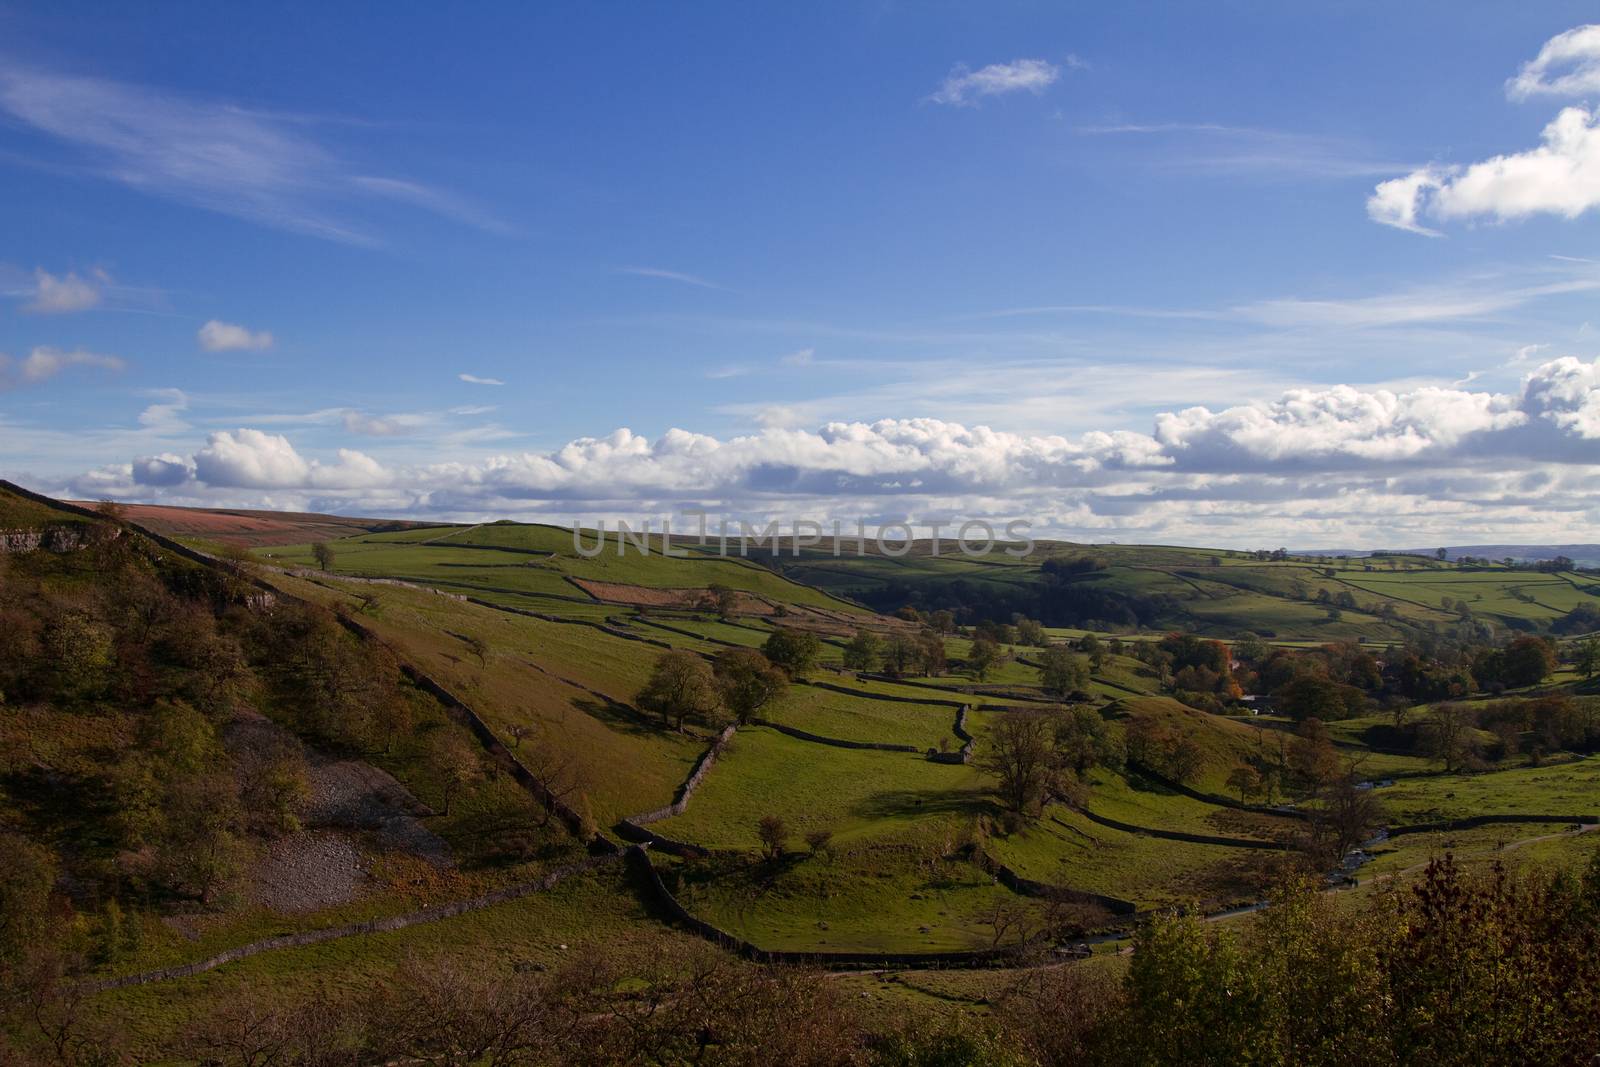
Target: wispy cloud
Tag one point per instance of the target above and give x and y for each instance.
(473, 379)
(1234, 149)
(964, 87)
(214, 155)
(673, 276)
(218, 336)
(1468, 299)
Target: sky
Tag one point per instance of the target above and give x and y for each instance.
(1235, 274)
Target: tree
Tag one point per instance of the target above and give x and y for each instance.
(983, 658)
(1164, 748)
(1587, 658)
(1030, 632)
(680, 686)
(864, 651)
(1312, 758)
(720, 599)
(796, 651)
(454, 764)
(818, 841)
(1343, 816)
(479, 648)
(931, 654)
(1441, 554)
(899, 654)
(748, 682)
(322, 552)
(27, 880)
(1448, 735)
(1083, 741)
(774, 835)
(78, 653)
(1528, 661)
(1246, 781)
(1061, 673)
(1021, 754)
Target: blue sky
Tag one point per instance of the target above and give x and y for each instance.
(835, 261)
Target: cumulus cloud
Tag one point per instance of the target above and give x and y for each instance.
(68, 293)
(45, 362)
(1319, 459)
(473, 379)
(218, 336)
(1560, 176)
(166, 469)
(1567, 65)
(251, 459)
(964, 87)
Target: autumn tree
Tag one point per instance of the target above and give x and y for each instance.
(1246, 781)
(680, 687)
(748, 682)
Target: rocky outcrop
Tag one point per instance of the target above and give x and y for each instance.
(59, 537)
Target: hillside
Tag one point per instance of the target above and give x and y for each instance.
(240, 782)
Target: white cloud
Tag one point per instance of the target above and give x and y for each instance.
(473, 379)
(964, 87)
(70, 292)
(45, 362)
(1339, 433)
(251, 459)
(800, 358)
(1397, 202)
(212, 154)
(1567, 65)
(1560, 176)
(218, 336)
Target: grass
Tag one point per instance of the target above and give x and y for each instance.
(595, 912)
(1561, 789)
(855, 794)
(1064, 848)
(565, 683)
(856, 901)
(1147, 804)
(849, 718)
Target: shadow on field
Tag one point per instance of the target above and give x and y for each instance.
(619, 717)
(913, 802)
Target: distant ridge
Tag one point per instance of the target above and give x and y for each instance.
(1583, 555)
